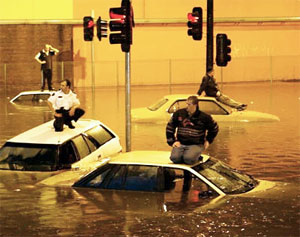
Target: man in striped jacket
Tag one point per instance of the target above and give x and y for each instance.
(189, 132)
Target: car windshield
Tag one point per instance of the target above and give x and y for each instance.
(33, 98)
(229, 180)
(29, 157)
(158, 104)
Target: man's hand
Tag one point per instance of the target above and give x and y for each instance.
(176, 144)
(218, 93)
(206, 145)
(72, 112)
(57, 115)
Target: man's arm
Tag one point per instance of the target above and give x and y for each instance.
(37, 58)
(170, 130)
(76, 104)
(212, 129)
(202, 86)
(56, 51)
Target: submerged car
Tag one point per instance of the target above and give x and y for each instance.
(162, 110)
(153, 171)
(33, 97)
(43, 149)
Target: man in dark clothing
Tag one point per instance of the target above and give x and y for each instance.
(44, 57)
(210, 86)
(189, 132)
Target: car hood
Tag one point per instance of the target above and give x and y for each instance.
(253, 116)
(145, 115)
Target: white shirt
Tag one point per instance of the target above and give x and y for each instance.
(60, 99)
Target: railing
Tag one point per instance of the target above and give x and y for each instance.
(25, 76)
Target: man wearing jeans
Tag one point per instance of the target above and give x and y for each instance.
(210, 87)
(189, 132)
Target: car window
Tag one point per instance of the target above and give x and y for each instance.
(123, 177)
(158, 104)
(229, 180)
(182, 185)
(82, 147)
(67, 155)
(179, 104)
(99, 135)
(30, 157)
(209, 107)
(91, 143)
(24, 98)
(40, 97)
(141, 178)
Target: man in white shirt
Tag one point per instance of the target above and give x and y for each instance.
(65, 106)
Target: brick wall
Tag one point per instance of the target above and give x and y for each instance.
(18, 46)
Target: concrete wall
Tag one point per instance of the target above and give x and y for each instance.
(163, 53)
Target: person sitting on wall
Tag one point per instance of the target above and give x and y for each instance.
(210, 86)
(65, 106)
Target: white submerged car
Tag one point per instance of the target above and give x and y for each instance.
(43, 149)
(162, 110)
(142, 174)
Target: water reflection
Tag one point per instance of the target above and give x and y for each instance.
(265, 150)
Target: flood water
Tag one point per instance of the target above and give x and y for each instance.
(268, 151)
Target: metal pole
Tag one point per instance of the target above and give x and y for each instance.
(210, 35)
(62, 70)
(221, 78)
(93, 69)
(170, 76)
(128, 102)
(4, 72)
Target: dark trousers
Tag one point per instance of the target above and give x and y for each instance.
(66, 118)
(47, 74)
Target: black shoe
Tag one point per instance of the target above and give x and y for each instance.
(242, 107)
(71, 126)
(42, 89)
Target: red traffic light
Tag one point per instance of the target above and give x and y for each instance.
(118, 14)
(88, 28)
(192, 18)
(195, 23)
(90, 24)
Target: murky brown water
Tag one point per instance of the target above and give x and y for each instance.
(265, 150)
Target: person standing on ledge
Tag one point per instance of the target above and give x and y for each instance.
(210, 86)
(44, 57)
(189, 132)
(65, 106)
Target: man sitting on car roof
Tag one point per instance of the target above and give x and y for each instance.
(189, 132)
(65, 106)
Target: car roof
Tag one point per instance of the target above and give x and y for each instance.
(157, 158)
(45, 133)
(45, 92)
(185, 96)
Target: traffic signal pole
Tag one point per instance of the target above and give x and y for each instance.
(128, 101)
(93, 67)
(210, 35)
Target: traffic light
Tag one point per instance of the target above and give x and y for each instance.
(195, 23)
(101, 28)
(121, 20)
(223, 50)
(88, 28)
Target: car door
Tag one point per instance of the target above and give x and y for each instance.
(87, 151)
(108, 143)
